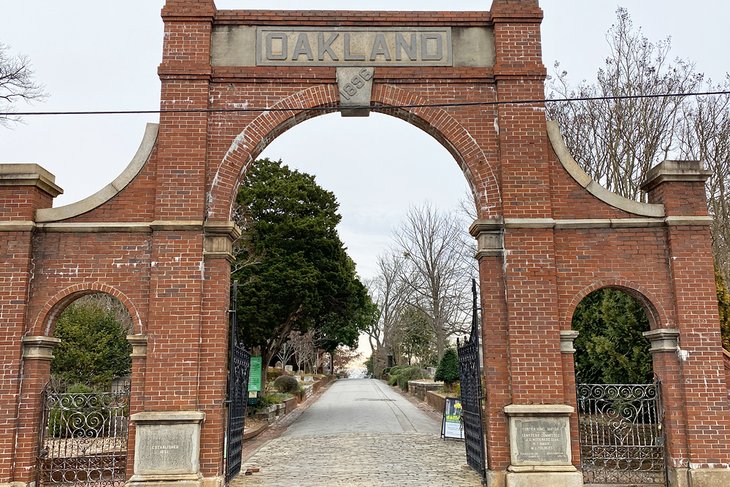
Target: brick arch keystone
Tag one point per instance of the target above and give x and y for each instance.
(655, 312)
(438, 123)
(46, 318)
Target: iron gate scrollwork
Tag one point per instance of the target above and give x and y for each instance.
(471, 394)
(621, 436)
(238, 370)
(83, 438)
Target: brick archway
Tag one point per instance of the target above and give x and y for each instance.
(322, 99)
(655, 313)
(44, 322)
(160, 238)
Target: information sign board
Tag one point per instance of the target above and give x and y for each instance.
(451, 424)
(254, 376)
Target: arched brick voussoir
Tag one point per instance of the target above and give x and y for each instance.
(254, 138)
(322, 99)
(46, 318)
(655, 312)
(447, 130)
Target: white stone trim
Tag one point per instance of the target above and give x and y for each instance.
(567, 341)
(39, 347)
(580, 176)
(663, 340)
(109, 191)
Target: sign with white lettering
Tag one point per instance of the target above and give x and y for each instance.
(353, 46)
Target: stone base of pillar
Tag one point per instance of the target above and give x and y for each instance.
(16, 484)
(168, 480)
(544, 479)
(699, 477)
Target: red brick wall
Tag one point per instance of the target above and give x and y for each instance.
(179, 296)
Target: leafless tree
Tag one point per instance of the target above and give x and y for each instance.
(285, 353)
(304, 348)
(389, 294)
(705, 135)
(617, 140)
(16, 83)
(436, 270)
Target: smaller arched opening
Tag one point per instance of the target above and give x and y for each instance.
(618, 395)
(85, 405)
(611, 347)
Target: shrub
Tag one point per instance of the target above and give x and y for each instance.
(401, 374)
(286, 383)
(410, 373)
(272, 373)
(448, 369)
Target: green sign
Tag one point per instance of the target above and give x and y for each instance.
(254, 375)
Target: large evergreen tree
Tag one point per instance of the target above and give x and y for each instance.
(293, 270)
(610, 348)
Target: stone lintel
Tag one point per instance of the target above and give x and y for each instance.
(139, 345)
(663, 340)
(567, 340)
(39, 347)
(29, 175)
(671, 171)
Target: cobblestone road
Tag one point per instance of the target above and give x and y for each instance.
(331, 445)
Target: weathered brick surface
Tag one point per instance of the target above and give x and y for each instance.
(178, 296)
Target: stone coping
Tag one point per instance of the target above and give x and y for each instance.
(29, 174)
(538, 410)
(168, 417)
(109, 191)
(580, 176)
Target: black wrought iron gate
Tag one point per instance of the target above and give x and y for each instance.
(238, 368)
(83, 437)
(471, 394)
(621, 435)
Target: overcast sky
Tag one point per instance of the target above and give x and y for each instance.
(103, 55)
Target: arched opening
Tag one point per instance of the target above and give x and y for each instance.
(374, 183)
(610, 347)
(85, 406)
(618, 396)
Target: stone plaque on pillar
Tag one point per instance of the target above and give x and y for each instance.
(540, 449)
(167, 448)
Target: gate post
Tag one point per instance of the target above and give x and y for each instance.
(37, 356)
(698, 367)
(538, 411)
(24, 188)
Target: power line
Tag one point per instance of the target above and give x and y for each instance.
(539, 101)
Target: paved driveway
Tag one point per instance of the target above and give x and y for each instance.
(360, 433)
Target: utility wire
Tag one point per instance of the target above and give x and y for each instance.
(337, 107)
